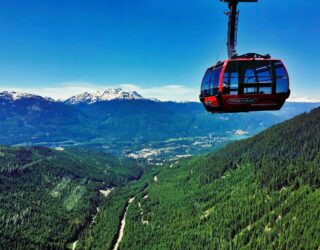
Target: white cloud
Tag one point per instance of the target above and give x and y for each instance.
(166, 92)
(68, 89)
(304, 99)
(61, 91)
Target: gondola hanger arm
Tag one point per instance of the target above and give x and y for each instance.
(233, 16)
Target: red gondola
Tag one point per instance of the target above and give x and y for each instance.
(250, 82)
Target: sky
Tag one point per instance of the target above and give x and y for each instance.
(60, 48)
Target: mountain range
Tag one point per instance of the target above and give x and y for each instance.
(121, 118)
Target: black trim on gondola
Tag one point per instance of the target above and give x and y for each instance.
(252, 56)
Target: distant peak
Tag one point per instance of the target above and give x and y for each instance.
(107, 95)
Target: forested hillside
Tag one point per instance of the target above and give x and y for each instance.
(287, 154)
(260, 193)
(48, 196)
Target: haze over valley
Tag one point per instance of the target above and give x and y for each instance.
(126, 124)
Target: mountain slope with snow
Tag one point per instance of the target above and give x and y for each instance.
(107, 95)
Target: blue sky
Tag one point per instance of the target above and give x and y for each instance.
(161, 48)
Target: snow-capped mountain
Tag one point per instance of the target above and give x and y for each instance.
(14, 96)
(107, 95)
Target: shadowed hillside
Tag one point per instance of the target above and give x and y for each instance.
(48, 196)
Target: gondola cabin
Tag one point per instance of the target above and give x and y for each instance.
(243, 84)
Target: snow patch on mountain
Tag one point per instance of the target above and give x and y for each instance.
(107, 95)
(14, 96)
